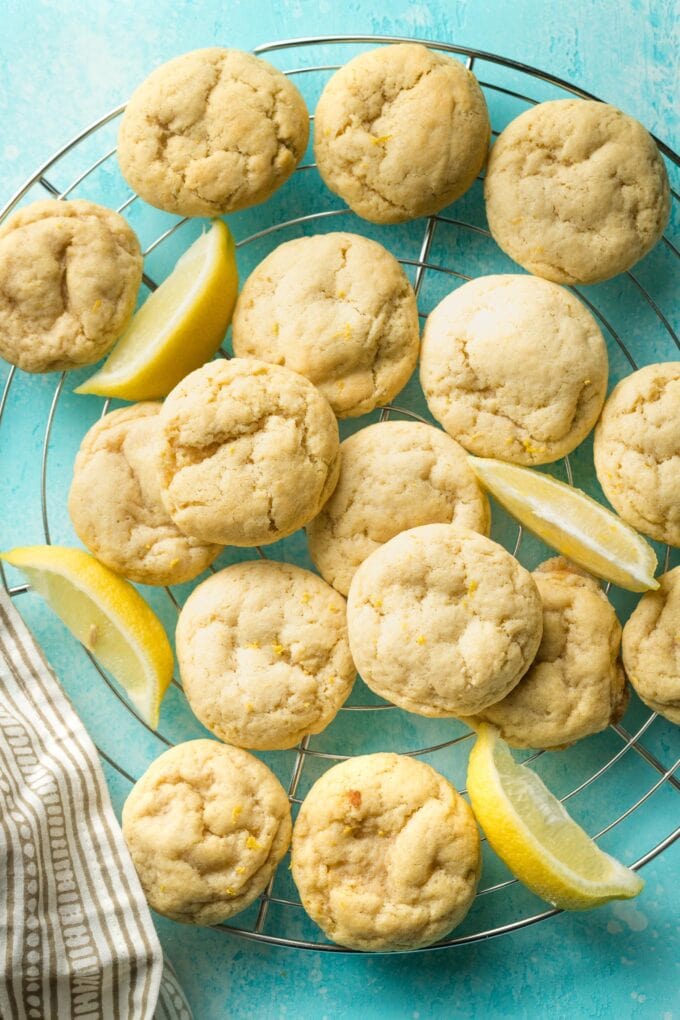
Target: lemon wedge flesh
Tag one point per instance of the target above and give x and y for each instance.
(178, 328)
(530, 830)
(571, 522)
(107, 615)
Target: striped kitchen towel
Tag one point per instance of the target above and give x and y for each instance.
(76, 935)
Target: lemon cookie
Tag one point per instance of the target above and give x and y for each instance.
(115, 502)
(576, 191)
(443, 621)
(385, 854)
(401, 132)
(393, 476)
(211, 132)
(264, 655)
(515, 368)
(338, 309)
(651, 647)
(576, 684)
(69, 276)
(249, 452)
(206, 826)
(637, 450)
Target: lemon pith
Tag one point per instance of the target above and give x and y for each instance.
(107, 615)
(533, 834)
(178, 328)
(571, 522)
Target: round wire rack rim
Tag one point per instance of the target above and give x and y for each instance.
(471, 53)
(421, 265)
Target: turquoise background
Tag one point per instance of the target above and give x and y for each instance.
(64, 64)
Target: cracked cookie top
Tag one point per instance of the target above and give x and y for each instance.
(514, 367)
(211, 132)
(651, 647)
(338, 309)
(115, 502)
(576, 191)
(637, 450)
(206, 826)
(394, 476)
(385, 853)
(249, 452)
(576, 685)
(264, 654)
(69, 276)
(401, 132)
(443, 621)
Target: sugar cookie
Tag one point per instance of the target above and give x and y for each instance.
(576, 191)
(115, 502)
(651, 647)
(385, 854)
(69, 276)
(575, 685)
(394, 476)
(338, 309)
(401, 132)
(264, 655)
(637, 450)
(443, 621)
(212, 131)
(206, 826)
(249, 452)
(514, 368)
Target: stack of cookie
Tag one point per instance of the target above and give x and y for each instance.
(439, 619)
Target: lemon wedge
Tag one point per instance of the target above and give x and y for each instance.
(107, 615)
(178, 328)
(571, 522)
(530, 830)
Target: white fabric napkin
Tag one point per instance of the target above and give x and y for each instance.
(76, 935)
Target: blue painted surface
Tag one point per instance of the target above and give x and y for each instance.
(61, 66)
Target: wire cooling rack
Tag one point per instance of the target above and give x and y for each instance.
(438, 253)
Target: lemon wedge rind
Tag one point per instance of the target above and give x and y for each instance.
(572, 523)
(108, 615)
(531, 831)
(178, 328)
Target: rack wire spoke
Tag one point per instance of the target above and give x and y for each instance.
(86, 173)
